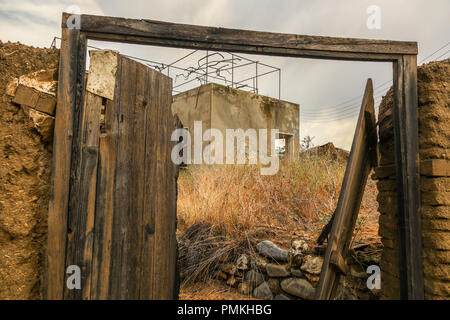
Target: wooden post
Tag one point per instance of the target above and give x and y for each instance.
(407, 173)
(71, 74)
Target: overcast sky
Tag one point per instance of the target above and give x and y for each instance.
(328, 92)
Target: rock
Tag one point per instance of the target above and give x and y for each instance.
(242, 262)
(42, 122)
(296, 261)
(282, 296)
(299, 247)
(274, 270)
(43, 80)
(312, 264)
(11, 87)
(299, 288)
(297, 273)
(296, 252)
(260, 263)
(263, 292)
(231, 281)
(228, 268)
(313, 279)
(244, 288)
(274, 285)
(271, 250)
(254, 278)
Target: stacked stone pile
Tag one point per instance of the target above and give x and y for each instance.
(275, 273)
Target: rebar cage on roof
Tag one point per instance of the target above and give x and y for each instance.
(202, 67)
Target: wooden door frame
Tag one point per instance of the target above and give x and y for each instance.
(72, 70)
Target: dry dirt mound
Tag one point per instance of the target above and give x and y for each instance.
(24, 179)
(329, 151)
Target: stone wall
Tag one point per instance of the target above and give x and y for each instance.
(272, 273)
(434, 143)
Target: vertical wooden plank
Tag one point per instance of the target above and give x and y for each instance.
(139, 175)
(407, 175)
(161, 243)
(172, 176)
(136, 195)
(159, 183)
(152, 116)
(123, 206)
(355, 178)
(165, 218)
(105, 196)
(71, 79)
(83, 195)
(146, 218)
(169, 202)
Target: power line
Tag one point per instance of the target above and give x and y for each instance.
(336, 117)
(442, 55)
(346, 109)
(351, 107)
(434, 52)
(341, 107)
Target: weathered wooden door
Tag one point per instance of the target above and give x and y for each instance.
(122, 205)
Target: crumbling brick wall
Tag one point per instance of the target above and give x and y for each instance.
(434, 143)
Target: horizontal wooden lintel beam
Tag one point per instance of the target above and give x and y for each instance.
(159, 33)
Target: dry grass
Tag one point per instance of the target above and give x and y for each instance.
(236, 207)
(211, 290)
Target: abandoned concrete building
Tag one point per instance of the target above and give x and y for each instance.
(222, 107)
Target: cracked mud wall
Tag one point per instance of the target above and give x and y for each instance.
(25, 165)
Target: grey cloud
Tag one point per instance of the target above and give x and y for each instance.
(315, 85)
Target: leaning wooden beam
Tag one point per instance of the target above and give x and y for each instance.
(359, 164)
(72, 61)
(406, 135)
(151, 32)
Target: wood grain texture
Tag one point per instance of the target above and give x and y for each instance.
(80, 239)
(122, 213)
(104, 212)
(36, 99)
(143, 243)
(212, 38)
(358, 167)
(407, 176)
(106, 185)
(72, 59)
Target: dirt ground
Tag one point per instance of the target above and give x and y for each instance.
(25, 164)
(213, 290)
